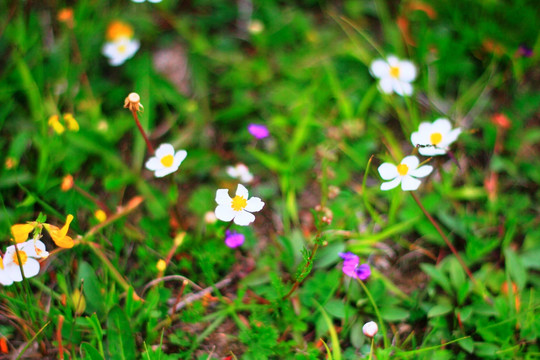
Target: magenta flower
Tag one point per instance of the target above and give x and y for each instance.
(258, 131)
(351, 267)
(234, 239)
(525, 51)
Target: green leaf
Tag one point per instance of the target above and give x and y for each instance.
(120, 337)
(91, 352)
(393, 313)
(467, 345)
(91, 289)
(515, 268)
(437, 276)
(439, 310)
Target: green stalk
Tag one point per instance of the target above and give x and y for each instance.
(379, 318)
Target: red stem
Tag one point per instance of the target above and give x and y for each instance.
(148, 144)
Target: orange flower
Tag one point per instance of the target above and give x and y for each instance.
(60, 236)
(20, 232)
(67, 183)
(117, 29)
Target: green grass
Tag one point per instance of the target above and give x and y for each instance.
(282, 295)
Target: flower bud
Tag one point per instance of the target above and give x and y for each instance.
(370, 329)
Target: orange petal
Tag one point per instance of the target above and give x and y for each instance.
(65, 242)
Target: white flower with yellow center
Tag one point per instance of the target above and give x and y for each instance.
(435, 138)
(394, 75)
(405, 173)
(120, 49)
(29, 251)
(166, 160)
(241, 172)
(238, 208)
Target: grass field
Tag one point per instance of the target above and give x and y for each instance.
(214, 179)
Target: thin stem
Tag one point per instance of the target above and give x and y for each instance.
(141, 130)
(379, 318)
(439, 230)
(371, 349)
(308, 263)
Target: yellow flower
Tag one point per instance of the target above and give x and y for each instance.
(100, 215)
(56, 125)
(60, 236)
(161, 265)
(71, 123)
(20, 232)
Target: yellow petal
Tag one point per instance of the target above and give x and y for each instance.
(20, 232)
(59, 236)
(65, 242)
(65, 228)
(71, 123)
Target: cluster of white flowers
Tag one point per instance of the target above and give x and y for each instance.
(431, 139)
(26, 258)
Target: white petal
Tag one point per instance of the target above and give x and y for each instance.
(431, 151)
(386, 85)
(391, 184)
(31, 268)
(242, 191)
(164, 150)
(388, 171)
(425, 129)
(14, 272)
(379, 68)
(392, 60)
(422, 171)
(243, 218)
(232, 172)
(153, 164)
(5, 279)
(225, 212)
(402, 88)
(223, 198)
(179, 157)
(165, 171)
(407, 71)
(418, 138)
(109, 50)
(411, 161)
(254, 204)
(246, 178)
(155, 1)
(117, 60)
(409, 183)
(449, 138)
(441, 126)
(138, 1)
(132, 48)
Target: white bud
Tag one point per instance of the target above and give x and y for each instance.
(370, 329)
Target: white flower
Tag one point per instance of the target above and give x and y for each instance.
(240, 171)
(141, 1)
(434, 139)
(405, 173)
(29, 251)
(238, 208)
(395, 75)
(121, 49)
(166, 160)
(370, 329)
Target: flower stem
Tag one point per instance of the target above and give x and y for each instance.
(371, 349)
(141, 130)
(379, 318)
(308, 263)
(439, 230)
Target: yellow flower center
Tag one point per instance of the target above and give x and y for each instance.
(167, 160)
(402, 169)
(238, 203)
(435, 138)
(122, 49)
(22, 255)
(394, 71)
(1, 264)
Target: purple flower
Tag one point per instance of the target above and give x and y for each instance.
(351, 267)
(258, 131)
(525, 51)
(234, 239)
(362, 272)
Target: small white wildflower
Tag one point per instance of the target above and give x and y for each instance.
(394, 75)
(434, 138)
(405, 173)
(166, 160)
(241, 172)
(121, 49)
(239, 208)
